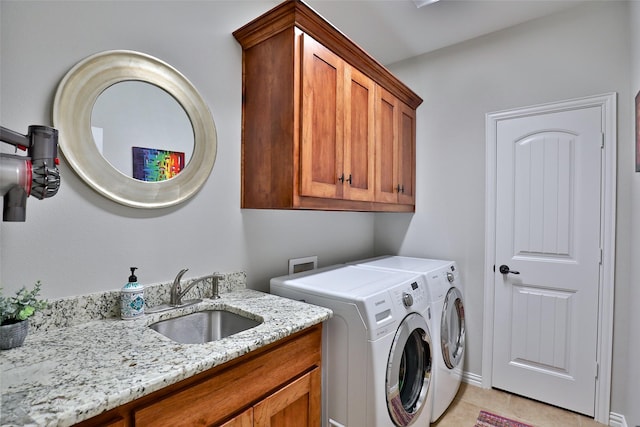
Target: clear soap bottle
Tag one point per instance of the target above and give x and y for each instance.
(132, 298)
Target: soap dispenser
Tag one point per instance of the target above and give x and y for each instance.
(132, 298)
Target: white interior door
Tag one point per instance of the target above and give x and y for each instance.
(548, 229)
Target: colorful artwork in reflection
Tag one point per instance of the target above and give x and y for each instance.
(150, 164)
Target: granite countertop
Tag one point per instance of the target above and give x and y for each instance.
(65, 375)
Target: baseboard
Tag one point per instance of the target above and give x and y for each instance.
(471, 378)
(617, 420)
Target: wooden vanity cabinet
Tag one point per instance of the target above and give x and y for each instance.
(311, 119)
(289, 406)
(245, 419)
(278, 385)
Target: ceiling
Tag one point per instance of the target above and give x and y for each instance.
(393, 30)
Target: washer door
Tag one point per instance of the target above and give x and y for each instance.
(409, 370)
(452, 329)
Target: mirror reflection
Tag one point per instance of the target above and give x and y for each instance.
(142, 131)
(103, 91)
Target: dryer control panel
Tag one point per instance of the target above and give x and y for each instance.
(442, 279)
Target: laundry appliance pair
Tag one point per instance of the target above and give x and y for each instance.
(381, 348)
(447, 321)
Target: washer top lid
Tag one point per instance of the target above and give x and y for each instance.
(349, 281)
(417, 265)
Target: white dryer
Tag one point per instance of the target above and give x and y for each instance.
(448, 327)
(377, 348)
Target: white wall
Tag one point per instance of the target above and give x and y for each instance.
(79, 242)
(580, 52)
(633, 374)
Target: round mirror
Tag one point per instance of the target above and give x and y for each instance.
(135, 129)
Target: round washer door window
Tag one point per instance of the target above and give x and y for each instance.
(409, 370)
(452, 329)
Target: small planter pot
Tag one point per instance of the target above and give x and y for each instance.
(13, 335)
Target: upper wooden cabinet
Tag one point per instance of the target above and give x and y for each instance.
(317, 131)
(337, 160)
(395, 146)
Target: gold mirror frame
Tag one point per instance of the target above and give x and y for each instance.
(72, 108)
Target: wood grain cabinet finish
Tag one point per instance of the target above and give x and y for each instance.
(312, 117)
(338, 101)
(395, 146)
(278, 385)
(296, 404)
(245, 419)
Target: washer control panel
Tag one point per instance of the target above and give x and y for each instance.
(411, 295)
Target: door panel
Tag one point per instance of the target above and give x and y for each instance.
(406, 169)
(359, 134)
(548, 230)
(544, 189)
(386, 147)
(541, 313)
(322, 120)
(297, 404)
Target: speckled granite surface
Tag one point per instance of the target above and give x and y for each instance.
(64, 375)
(84, 308)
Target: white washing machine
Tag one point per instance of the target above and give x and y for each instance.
(448, 327)
(377, 348)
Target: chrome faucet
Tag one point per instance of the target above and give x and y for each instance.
(175, 297)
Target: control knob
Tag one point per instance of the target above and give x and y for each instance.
(450, 277)
(407, 299)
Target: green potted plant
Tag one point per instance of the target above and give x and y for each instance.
(14, 314)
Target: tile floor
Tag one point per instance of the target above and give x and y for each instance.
(464, 410)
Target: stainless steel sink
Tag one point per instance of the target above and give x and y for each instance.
(203, 326)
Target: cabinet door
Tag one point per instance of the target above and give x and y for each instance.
(387, 118)
(406, 154)
(245, 419)
(295, 405)
(321, 142)
(359, 140)
(395, 150)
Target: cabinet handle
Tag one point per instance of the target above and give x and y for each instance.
(400, 189)
(342, 179)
